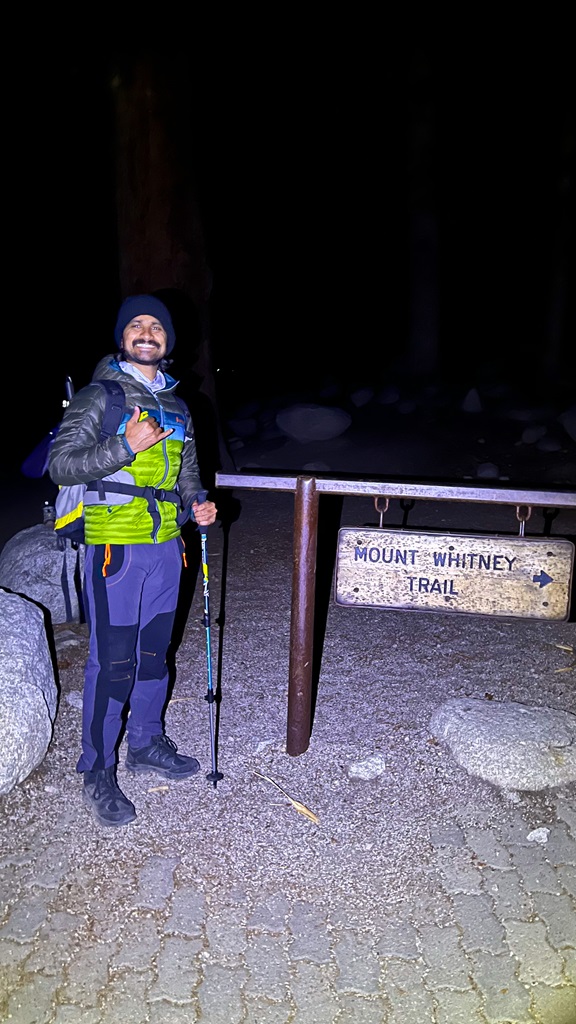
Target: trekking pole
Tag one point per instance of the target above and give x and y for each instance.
(214, 776)
(69, 388)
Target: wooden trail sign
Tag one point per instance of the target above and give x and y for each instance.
(467, 574)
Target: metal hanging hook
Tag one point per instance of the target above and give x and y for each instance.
(381, 510)
(406, 506)
(549, 515)
(523, 513)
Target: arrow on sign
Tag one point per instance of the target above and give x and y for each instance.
(543, 579)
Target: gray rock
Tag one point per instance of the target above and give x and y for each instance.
(472, 401)
(533, 433)
(28, 694)
(310, 422)
(388, 395)
(33, 564)
(487, 471)
(509, 744)
(568, 421)
(362, 396)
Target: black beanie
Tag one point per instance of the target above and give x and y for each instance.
(140, 305)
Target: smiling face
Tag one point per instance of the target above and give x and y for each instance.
(144, 342)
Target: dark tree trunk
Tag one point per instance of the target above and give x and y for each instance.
(161, 244)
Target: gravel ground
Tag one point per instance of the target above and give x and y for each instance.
(383, 673)
(373, 849)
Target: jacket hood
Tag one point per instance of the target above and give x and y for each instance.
(106, 367)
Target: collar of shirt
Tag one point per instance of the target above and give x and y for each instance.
(157, 384)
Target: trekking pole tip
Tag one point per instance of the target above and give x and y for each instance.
(214, 777)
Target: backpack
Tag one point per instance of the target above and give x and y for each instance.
(71, 532)
(35, 465)
(70, 500)
(69, 503)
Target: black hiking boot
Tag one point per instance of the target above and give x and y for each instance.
(161, 757)
(104, 798)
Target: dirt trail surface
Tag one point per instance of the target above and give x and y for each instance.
(414, 898)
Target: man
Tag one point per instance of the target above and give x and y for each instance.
(134, 552)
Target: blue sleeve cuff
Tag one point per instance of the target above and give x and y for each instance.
(200, 497)
(127, 447)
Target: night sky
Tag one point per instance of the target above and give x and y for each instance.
(316, 161)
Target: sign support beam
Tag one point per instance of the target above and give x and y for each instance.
(302, 616)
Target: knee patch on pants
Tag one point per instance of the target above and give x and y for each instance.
(154, 640)
(118, 658)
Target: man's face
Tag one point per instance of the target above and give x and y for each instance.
(144, 341)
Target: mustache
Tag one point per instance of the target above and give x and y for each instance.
(134, 357)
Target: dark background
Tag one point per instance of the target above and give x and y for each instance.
(374, 200)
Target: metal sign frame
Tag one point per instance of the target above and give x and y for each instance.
(307, 489)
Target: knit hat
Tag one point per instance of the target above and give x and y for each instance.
(141, 305)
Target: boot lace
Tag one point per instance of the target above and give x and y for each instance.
(106, 782)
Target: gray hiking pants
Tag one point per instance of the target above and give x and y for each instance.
(130, 613)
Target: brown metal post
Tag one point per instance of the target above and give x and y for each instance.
(302, 616)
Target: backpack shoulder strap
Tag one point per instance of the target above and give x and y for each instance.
(115, 406)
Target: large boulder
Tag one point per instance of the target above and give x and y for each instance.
(28, 693)
(40, 565)
(309, 422)
(509, 744)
